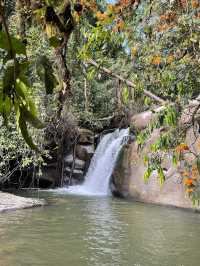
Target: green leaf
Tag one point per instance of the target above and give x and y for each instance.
(174, 159)
(49, 81)
(146, 159)
(147, 174)
(198, 164)
(31, 118)
(1, 103)
(25, 134)
(54, 41)
(32, 107)
(17, 112)
(7, 105)
(91, 74)
(8, 78)
(21, 89)
(17, 45)
(125, 95)
(3, 40)
(161, 175)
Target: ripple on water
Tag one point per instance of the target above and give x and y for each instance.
(82, 231)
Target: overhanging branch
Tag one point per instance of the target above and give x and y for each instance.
(127, 82)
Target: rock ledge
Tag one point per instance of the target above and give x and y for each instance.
(10, 202)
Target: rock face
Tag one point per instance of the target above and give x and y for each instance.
(10, 202)
(128, 182)
(76, 161)
(127, 179)
(141, 120)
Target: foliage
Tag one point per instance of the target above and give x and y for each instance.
(154, 44)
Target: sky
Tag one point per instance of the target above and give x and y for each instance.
(111, 1)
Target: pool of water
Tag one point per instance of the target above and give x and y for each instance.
(98, 231)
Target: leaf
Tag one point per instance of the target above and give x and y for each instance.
(8, 78)
(21, 89)
(25, 134)
(7, 105)
(174, 159)
(91, 74)
(147, 174)
(125, 95)
(161, 175)
(17, 112)
(198, 164)
(46, 73)
(156, 60)
(32, 107)
(54, 41)
(146, 159)
(49, 80)
(17, 45)
(31, 118)
(11, 74)
(1, 103)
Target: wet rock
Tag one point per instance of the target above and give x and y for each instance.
(84, 152)
(10, 202)
(69, 159)
(49, 176)
(78, 164)
(76, 174)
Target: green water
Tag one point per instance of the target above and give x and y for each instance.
(82, 231)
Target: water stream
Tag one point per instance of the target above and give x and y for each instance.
(101, 166)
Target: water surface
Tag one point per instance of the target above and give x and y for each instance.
(97, 231)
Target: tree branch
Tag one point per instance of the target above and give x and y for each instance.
(127, 82)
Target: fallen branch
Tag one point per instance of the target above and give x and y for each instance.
(127, 82)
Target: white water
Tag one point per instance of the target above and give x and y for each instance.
(101, 166)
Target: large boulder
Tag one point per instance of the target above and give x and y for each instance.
(127, 178)
(141, 120)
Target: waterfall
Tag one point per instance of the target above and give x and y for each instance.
(101, 167)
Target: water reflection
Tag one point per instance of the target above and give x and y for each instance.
(81, 231)
(104, 234)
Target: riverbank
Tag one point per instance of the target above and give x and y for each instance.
(10, 202)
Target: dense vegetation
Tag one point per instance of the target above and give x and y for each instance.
(69, 61)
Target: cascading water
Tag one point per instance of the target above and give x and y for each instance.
(102, 164)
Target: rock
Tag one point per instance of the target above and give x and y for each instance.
(84, 152)
(49, 176)
(78, 164)
(10, 202)
(190, 113)
(141, 120)
(69, 159)
(77, 174)
(127, 179)
(193, 140)
(86, 136)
